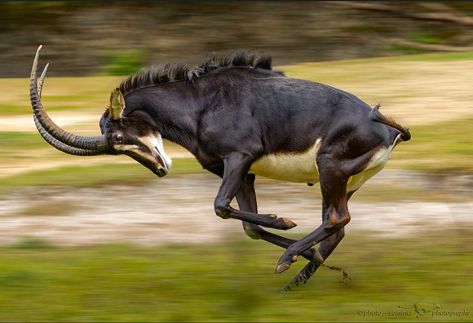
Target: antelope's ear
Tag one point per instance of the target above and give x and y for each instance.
(117, 104)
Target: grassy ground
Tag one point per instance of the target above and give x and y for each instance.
(234, 281)
(80, 94)
(439, 146)
(94, 175)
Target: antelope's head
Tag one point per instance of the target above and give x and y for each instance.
(134, 135)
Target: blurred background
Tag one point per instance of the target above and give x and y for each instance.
(103, 239)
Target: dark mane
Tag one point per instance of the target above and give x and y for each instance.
(176, 72)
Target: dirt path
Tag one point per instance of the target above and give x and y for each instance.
(180, 209)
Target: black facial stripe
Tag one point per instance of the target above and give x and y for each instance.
(160, 159)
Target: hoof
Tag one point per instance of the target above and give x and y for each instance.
(272, 221)
(282, 267)
(289, 224)
(294, 258)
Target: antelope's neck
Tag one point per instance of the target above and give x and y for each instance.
(174, 111)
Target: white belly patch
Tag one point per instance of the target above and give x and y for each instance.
(294, 167)
(302, 167)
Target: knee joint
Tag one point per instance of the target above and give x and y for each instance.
(337, 221)
(221, 209)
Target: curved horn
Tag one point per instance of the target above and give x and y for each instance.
(53, 141)
(41, 80)
(62, 146)
(97, 143)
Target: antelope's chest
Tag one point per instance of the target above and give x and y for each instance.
(292, 167)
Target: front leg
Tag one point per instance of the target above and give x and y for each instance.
(236, 167)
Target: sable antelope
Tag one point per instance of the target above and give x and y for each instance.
(240, 118)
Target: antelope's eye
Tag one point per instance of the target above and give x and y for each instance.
(118, 138)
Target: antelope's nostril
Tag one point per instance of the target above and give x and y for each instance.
(163, 158)
(161, 161)
(161, 172)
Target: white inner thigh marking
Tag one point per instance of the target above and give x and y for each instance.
(376, 164)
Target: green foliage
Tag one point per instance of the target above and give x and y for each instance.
(234, 281)
(32, 243)
(425, 38)
(405, 49)
(124, 62)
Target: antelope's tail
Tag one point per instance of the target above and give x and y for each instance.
(377, 116)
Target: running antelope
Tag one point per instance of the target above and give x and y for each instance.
(240, 118)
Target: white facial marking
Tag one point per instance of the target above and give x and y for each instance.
(160, 148)
(294, 167)
(126, 147)
(155, 143)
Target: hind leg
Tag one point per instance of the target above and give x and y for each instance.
(335, 215)
(325, 249)
(246, 199)
(334, 172)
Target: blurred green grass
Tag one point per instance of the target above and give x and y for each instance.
(234, 281)
(84, 94)
(89, 94)
(441, 57)
(445, 146)
(93, 175)
(12, 141)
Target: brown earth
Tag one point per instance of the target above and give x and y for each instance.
(180, 209)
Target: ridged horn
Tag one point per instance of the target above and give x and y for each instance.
(95, 143)
(62, 146)
(41, 80)
(53, 141)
